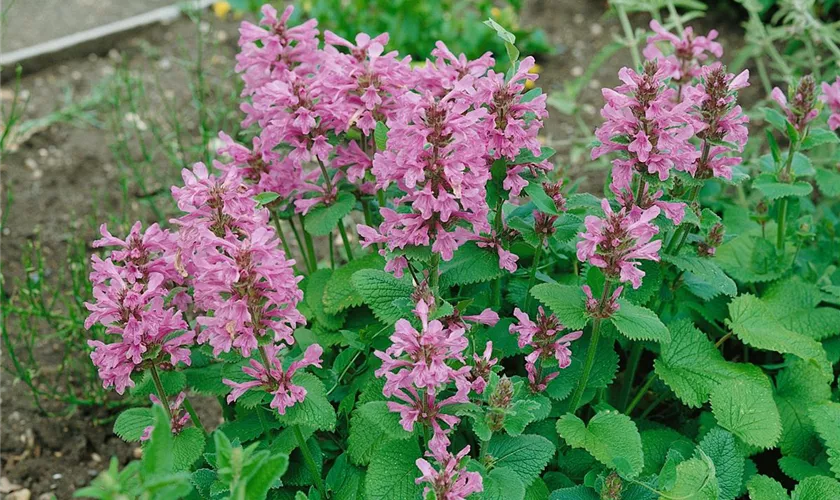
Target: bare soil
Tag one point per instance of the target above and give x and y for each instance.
(63, 179)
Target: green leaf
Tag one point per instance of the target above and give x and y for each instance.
(507, 37)
(315, 284)
(774, 118)
(656, 444)
(799, 386)
(798, 469)
(611, 437)
(373, 427)
(752, 321)
(502, 483)
(382, 292)
(750, 258)
(829, 182)
(764, 488)
(265, 197)
(380, 136)
(131, 423)
(270, 470)
(543, 202)
(187, 447)
(158, 458)
(323, 219)
(705, 270)
(690, 364)
(818, 137)
(638, 323)
(537, 491)
(695, 480)
(173, 382)
(526, 156)
(580, 492)
(470, 264)
(339, 293)
(794, 303)
(566, 301)
(525, 455)
(392, 472)
(721, 448)
(315, 411)
(207, 379)
(773, 189)
(826, 419)
(603, 371)
(816, 488)
(744, 405)
(345, 480)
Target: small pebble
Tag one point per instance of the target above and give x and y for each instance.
(578, 19)
(577, 71)
(138, 453)
(596, 29)
(96, 457)
(23, 494)
(57, 476)
(76, 75)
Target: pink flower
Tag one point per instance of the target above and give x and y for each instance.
(542, 338)
(617, 243)
(179, 417)
(274, 380)
(688, 51)
(482, 366)
(802, 108)
(596, 309)
(831, 96)
(451, 481)
(425, 408)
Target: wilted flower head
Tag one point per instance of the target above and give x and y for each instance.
(619, 241)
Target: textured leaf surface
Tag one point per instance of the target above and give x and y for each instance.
(764, 488)
(315, 411)
(502, 483)
(380, 290)
(187, 446)
(392, 472)
(339, 293)
(690, 365)
(321, 220)
(611, 437)
(525, 455)
(566, 301)
(816, 488)
(316, 283)
(131, 423)
(773, 189)
(470, 264)
(744, 406)
(695, 480)
(721, 448)
(798, 387)
(749, 258)
(826, 419)
(707, 272)
(753, 322)
(794, 303)
(639, 323)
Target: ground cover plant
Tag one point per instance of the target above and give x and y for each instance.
(498, 334)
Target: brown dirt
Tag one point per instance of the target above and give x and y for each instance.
(64, 180)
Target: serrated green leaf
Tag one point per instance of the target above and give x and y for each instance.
(816, 488)
(798, 469)
(695, 480)
(339, 293)
(392, 472)
(775, 118)
(371, 430)
(744, 405)
(525, 455)
(818, 137)
(721, 448)
(656, 443)
(131, 423)
(611, 437)
(158, 459)
(705, 270)
(752, 321)
(543, 202)
(345, 480)
(315, 411)
(470, 264)
(323, 219)
(829, 182)
(773, 189)
(265, 197)
(537, 491)
(826, 419)
(566, 301)
(690, 365)
(173, 382)
(750, 258)
(207, 379)
(639, 323)
(799, 386)
(794, 303)
(315, 284)
(266, 475)
(764, 488)
(603, 370)
(580, 492)
(187, 447)
(502, 483)
(380, 136)
(380, 290)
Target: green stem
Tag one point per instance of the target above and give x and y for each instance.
(590, 353)
(347, 248)
(532, 278)
(194, 416)
(783, 203)
(630, 35)
(301, 246)
(630, 373)
(282, 236)
(498, 223)
(434, 273)
(313, 259)
(675, 16)
(310, 462)
(640, 394)
(160, 392)
(653, 405)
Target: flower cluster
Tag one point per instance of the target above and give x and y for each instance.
(129, 289)
(451, 481)
(178, 418)
(688, 52)
(617, 242)
(831, 96)
(802, 107)
(542, 338)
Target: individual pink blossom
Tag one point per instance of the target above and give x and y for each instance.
(617, 242)
(831, 96)
(688, 52)
(426, 409)
(541, 337)
(419, 358)
(802, 107)
(442, 76)
(673, 210)
(596, 309)
(178, 417)
(482, 366)
(642, 121)
(274, 380)
(451, 481)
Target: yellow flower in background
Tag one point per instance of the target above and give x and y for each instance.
(529, 84)
(221, 9)
(495, 12)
